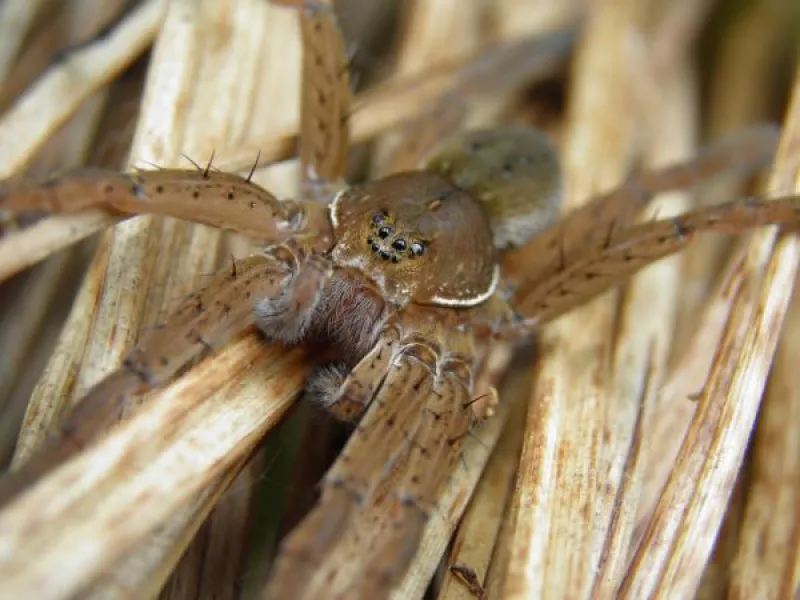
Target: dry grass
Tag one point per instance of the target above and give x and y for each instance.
(624, 486)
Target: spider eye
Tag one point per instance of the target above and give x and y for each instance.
(379, 218)
(399, 245)
(384, 232)
(417, 249)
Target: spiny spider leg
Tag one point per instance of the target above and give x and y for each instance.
(407, 442)
(325, 101)
(434, 453)
(207, 318)
(358, 387)
(393, 411)
(590, 226)
(225, 200)
(603, 266)
(287, 315)
(222, 200)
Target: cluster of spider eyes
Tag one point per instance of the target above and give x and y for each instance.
(400, 245)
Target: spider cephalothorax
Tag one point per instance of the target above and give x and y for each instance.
(418, 237)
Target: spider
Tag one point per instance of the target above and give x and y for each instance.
(402, 279)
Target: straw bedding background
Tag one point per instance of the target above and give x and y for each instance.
(625, 469)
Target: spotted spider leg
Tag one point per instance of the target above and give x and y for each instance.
(393, 395)
(382, 542)
(418, 385)
(606, 263)
(435, 449)
(325, 102)
(357, 388)
(223, 200)
(591, 225)
(207, 318)
(445, 118)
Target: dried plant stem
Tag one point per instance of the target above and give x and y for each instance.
(642, 343)
(685, 380)
(54, 280)
(20, 250)
(148, 467)
(766, 562)
(223, 546)
(517, 18)
(18, 339)
(143, 571)
(739, 94)
(554, 552)
(475, 539)
(16, 17)
(114, 301)
(35, 116)
(677, 29)
(217, 105)
(693, 503)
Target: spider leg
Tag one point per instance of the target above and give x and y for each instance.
(423, 135)
(388, 528)
(286, 316)
(588, 227)
(325, 103)
(347, 397)
(208, 317)
(223, 200)
(391, 414)
(611, 262)
(402, 451)
(434, 453)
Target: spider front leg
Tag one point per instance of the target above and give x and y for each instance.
(347, 395)
(286, 317)
(434, 452)
(399, 386)
(224, 307)
(417, 386)
(223, 200)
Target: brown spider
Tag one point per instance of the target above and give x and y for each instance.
(404, 280)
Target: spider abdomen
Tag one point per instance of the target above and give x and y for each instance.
(513, 171)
